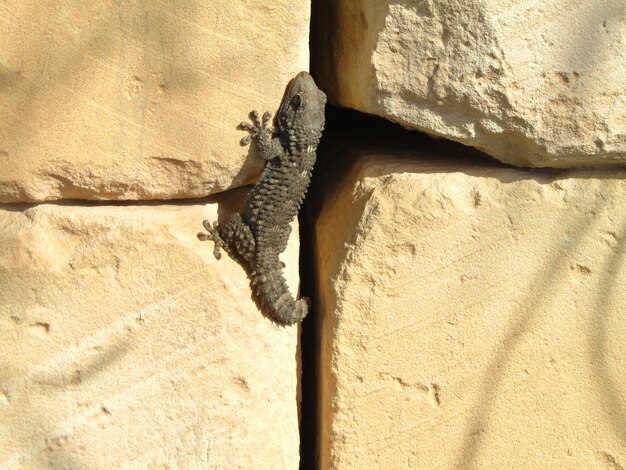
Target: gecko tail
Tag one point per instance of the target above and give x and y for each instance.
(272, 292)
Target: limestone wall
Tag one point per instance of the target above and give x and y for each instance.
(467, 313)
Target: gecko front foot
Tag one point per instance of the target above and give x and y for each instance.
(259, 129)
(212, 235)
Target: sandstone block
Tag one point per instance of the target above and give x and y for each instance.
(138, 100)
(472, 316)
(125, 344)
(531, 84)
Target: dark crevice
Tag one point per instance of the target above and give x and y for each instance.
(308, 332)
(308, 348)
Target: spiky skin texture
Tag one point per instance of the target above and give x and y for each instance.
(258, 234)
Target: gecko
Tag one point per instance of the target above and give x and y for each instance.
(259, 234)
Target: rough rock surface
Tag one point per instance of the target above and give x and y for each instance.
(138, 100)
(531, 84)
(472, 316)
(125, 344)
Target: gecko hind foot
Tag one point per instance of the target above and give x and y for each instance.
(214, 235)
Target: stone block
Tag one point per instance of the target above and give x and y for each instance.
(531, 84)
(139, 100)
(472, 315)
(125, 344)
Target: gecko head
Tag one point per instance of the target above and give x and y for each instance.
(302, 107)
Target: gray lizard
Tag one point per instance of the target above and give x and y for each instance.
(259, 234)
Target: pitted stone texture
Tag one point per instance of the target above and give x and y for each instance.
(138, 100)
(531, 84)
(472, 316)
(125, 344)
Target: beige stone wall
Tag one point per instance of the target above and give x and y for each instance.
(138, 100)
(471, 315)
(532, 84)
(125, 344)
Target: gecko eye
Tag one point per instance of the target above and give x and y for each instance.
(297, 100)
